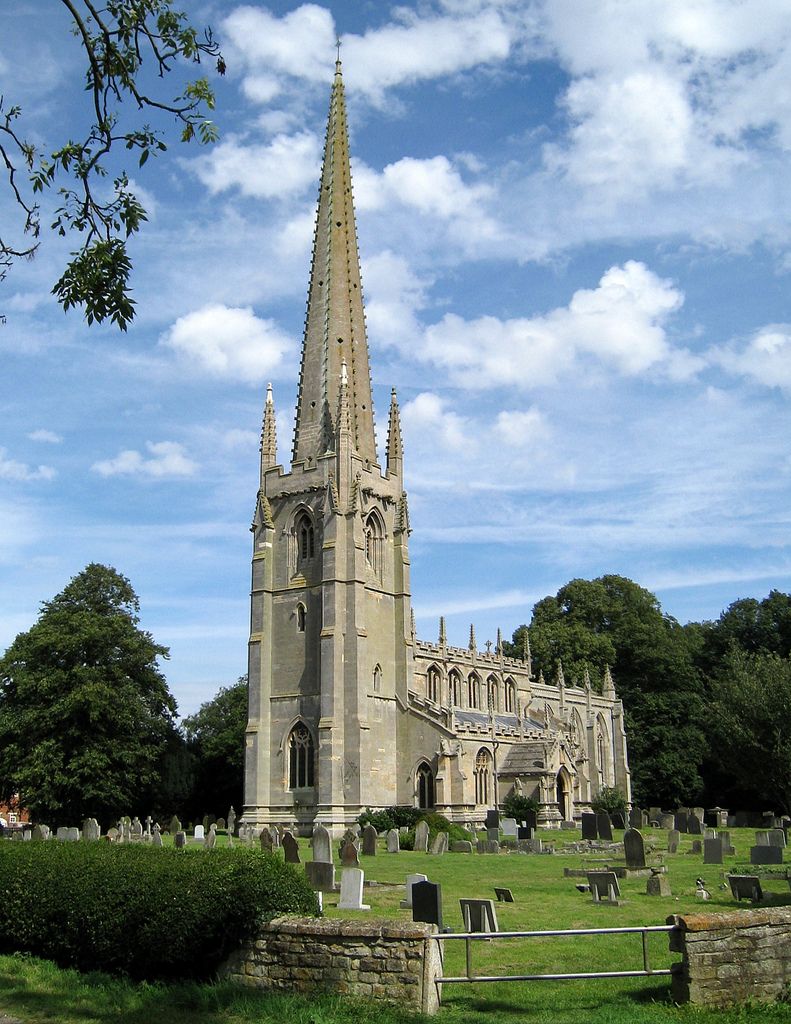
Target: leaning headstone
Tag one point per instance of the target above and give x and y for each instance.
(352, 881)
(440, 844)
(427, 903)
(658, 885)
(634, 849)
(503, 895)
(199, 832)
(712, 851)
(211, 839)
(766, 855)
(322, 845)
(673, 839)
(180, 839)
(746, 887)
(406, 903)
(421, 837)
(589, 828)
(604, 825)
(777, 837)
(460, 846)
(694, 826)
(290, 848)
(320, 875)
(265, 840)
(478, 915)
(393, 841)
(276, 838)
(369, 841)
(604, 886)
(350, 855)
(682, 820)
(156, 835)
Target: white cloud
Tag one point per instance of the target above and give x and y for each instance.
(45, 436)
(765, 358)
(393, 295)
(10, 469)
(229, 342)
(521, 428)
(427, 420)
(167, 459)
(300, 43)
(281, 167)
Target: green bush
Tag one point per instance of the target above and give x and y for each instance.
(381, 820)
(609, 799)
(516, 806)
(439, 823)
(142, 912)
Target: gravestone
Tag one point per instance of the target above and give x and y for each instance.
(320, 875)
(658, 885)
(460, 846)
(727, 847)
(149, 823)
(635, 817)
(531, 819)
(709, 833)
(156, 835)
(493, 819)
(618, 819)
(265, 840)
(777, 837)
(712, 851)
(62, 834)
(673, 839)
(655, 813)
(682, 820)
(668, 821)
(290, 848)
(525, 832)
(694, 826)
(634, 849)
(211, 839)
(406, 903)
(350, 854)
(231, 820)
(509, 827)
(136, 830)
(199, 832)
(369, 841)
(604, 887)
(697, 846)
(180, 839)
(174, 826)
(276, 837)
(440, 844)
(478, 915)
(589, 828)
(745, 887)
(91, 830)
(766, 855)
(569, 826)
(487, 846)
(322, 846)
(112, 834)
(604, 825)
(73, 834)
(644, 822)
(493, 835)
(38, 833)
(503, 895)
(352, 881)
(393, 841)
(427, 903)
(421, 837)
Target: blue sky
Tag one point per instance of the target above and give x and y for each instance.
(575, 232)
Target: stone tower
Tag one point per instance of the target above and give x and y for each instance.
(331, 644)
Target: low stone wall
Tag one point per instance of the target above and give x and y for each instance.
(731, 958)
(374, 959)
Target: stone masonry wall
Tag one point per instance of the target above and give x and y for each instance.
(731, 958)
(373, 959)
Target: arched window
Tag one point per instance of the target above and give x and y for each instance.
(374, 542)
(301, 756)
(378, 679)
(493, 693)
(425, 785)
(473, 691)
(454, 688)
(301, 618)
(433, 680)
(304, 541)
(510, 696)
(482, 773)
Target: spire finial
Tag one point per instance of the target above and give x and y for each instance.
(268, 433)
(473, 645)
(338, 48)
(395, 445)
(443, 636)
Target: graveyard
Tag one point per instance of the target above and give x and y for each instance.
(511, 889)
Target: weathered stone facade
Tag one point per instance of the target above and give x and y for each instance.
(384, 960)
(348, 709)
(731, 958)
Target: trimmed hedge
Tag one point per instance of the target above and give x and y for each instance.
(137, 911)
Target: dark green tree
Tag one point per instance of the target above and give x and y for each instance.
(755, 627)
(215, 736)
(129, 46)
(85, 711)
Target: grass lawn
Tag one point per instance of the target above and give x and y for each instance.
(37, 991)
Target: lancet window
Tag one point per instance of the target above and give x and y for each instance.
(301, 757)
(493, 693)
(425, 785)
(374, 543)
(454, 688)
(510, 696)
(378, 679)
(302, 542)
(301, 617)
(473, 691)
(433, 683)
(482, 773)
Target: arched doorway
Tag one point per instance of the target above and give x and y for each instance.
(563, 795)
(425, 786)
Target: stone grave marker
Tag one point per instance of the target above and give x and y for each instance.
(112, 834)
(427, 903)
(604, 825)
(635, 817)
(149, 823)
(180, 839)
(62, 834)
(766, 855)
(199, 832)
(174, 826)
(668, 821)
(568, 825)
(460, 846)
(618, 819)
(503, 895)
(320, 875)
(211, 839)
(322, 845)
(604, 887)
(682, 820)
(265, 840)
(709, 833)
(589, 828)
(697, 846)
(440, 844)
(478, 915)
(350, 854)
(231, 820)
(493, 819)
(276, 837)
(525, 832)
(421, 837)
(406, 903)
(352, 881)
(654, 813)
(156, 835)
(658, 885)
(673, 839)
(694, 826)
(493, 835)
(712, 851)
(509, 827)
(91, 830)
(634, 849)
(777, 837)
(290, 848)
(487, 846)
(745, 887)
(220, 823)
(393, 841)
(369, 841)
(136, 830)
(727, 847)
(38, 833)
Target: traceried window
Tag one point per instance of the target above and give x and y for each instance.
(301, 755)
(433, 682)
(510, 696)
(454, 688)
(473, 691)
(303, 541)
(374, 543)
(301, 618)
(483, 773)
(425, 785)
(493, 693)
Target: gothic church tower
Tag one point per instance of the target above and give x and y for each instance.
(331, 644)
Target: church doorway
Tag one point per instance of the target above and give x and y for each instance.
(425, 786)
(563, 795)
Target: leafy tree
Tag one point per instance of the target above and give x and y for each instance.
(85, 712)
(609, 799)
(516, 805)
(122, 41)
(755, 627)
(215, 735)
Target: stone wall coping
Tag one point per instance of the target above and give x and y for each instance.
(373, 928)
(732, 919)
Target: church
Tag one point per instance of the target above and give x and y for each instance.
(348, 709)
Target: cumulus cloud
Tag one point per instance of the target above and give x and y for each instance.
(519, 428)
(10, 469)
(166, 459)
(281, 167)
(45, 436)
(764, 359)
(224, 341)
(428, 417)
(393, 295)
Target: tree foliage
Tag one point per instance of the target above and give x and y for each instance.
(215, 737)
(127, 44)
(85, 712)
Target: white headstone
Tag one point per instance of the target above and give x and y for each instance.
(200, 832)
(406, 904)
(509, 827)
(352, 890)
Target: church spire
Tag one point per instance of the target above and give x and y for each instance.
(335, 321)
(395, 445)
(268, 433)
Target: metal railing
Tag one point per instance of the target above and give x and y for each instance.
(470, 937)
